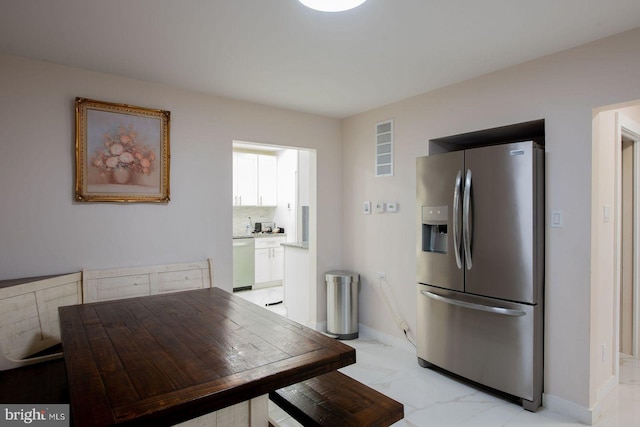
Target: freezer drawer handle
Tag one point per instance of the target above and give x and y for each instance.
(474, 306)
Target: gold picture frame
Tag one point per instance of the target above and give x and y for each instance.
(122, 153)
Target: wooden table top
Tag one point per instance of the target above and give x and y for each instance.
(164, 359)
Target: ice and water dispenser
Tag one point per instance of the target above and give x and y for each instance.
(434, 229)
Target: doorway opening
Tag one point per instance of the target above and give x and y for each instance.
(614, 231)
(629, 236)
(274, 212)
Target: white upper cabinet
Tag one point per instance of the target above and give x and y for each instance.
(267, 180)
(245, 179)
(254, 179)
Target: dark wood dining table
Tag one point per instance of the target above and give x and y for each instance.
(164, 359)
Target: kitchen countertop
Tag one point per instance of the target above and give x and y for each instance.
(258, 235)
(298, 245)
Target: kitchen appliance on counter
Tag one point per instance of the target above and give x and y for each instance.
(264, 227)
(480, 266)
(268, 227)
(243, 263)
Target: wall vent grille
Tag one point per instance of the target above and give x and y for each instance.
(384, 148)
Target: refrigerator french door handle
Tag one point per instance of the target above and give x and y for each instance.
(456, 220)
(473, 306)
(466, 225)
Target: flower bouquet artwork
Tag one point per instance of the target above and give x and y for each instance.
(122, 153)
(123, 157)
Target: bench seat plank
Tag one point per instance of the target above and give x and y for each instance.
(44, 382)
(335, 399)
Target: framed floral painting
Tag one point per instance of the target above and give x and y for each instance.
(122, 153)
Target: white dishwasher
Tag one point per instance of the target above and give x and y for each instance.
(243, 263)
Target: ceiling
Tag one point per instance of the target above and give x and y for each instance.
(279, 53)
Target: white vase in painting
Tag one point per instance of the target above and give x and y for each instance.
(121, 176)
(147, 180)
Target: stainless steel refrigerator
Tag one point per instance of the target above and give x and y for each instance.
(480, 266)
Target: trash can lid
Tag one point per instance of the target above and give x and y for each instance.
(342, 275)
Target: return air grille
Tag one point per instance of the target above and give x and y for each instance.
(384, 148)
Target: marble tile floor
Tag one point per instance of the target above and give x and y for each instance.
(435, 400)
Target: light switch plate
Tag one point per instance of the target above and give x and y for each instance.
(556, 219)
(606, 213)
(392, 207)
(380, 207)
(367, 208)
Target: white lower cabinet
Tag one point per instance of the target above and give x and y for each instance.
(269, 261)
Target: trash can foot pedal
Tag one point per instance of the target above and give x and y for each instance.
(329, 335)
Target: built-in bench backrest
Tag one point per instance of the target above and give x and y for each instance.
(119, 283)
(29, 317)
(29, 321)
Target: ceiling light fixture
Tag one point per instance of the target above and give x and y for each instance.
(332, 5)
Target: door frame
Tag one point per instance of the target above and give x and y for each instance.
(313, 288)
(629, 128)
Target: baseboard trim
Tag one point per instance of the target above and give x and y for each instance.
(321, 326)
(606, 388)
(570, 409)
(366, 332)
(372, 334)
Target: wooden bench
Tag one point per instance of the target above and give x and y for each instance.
(29, 325)
(44, 382)
(29, 322)
(334, 399)
(120, 283)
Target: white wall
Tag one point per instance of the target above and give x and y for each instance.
(563, 89)
(43, 231)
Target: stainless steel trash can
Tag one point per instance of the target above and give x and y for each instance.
(342, 304)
